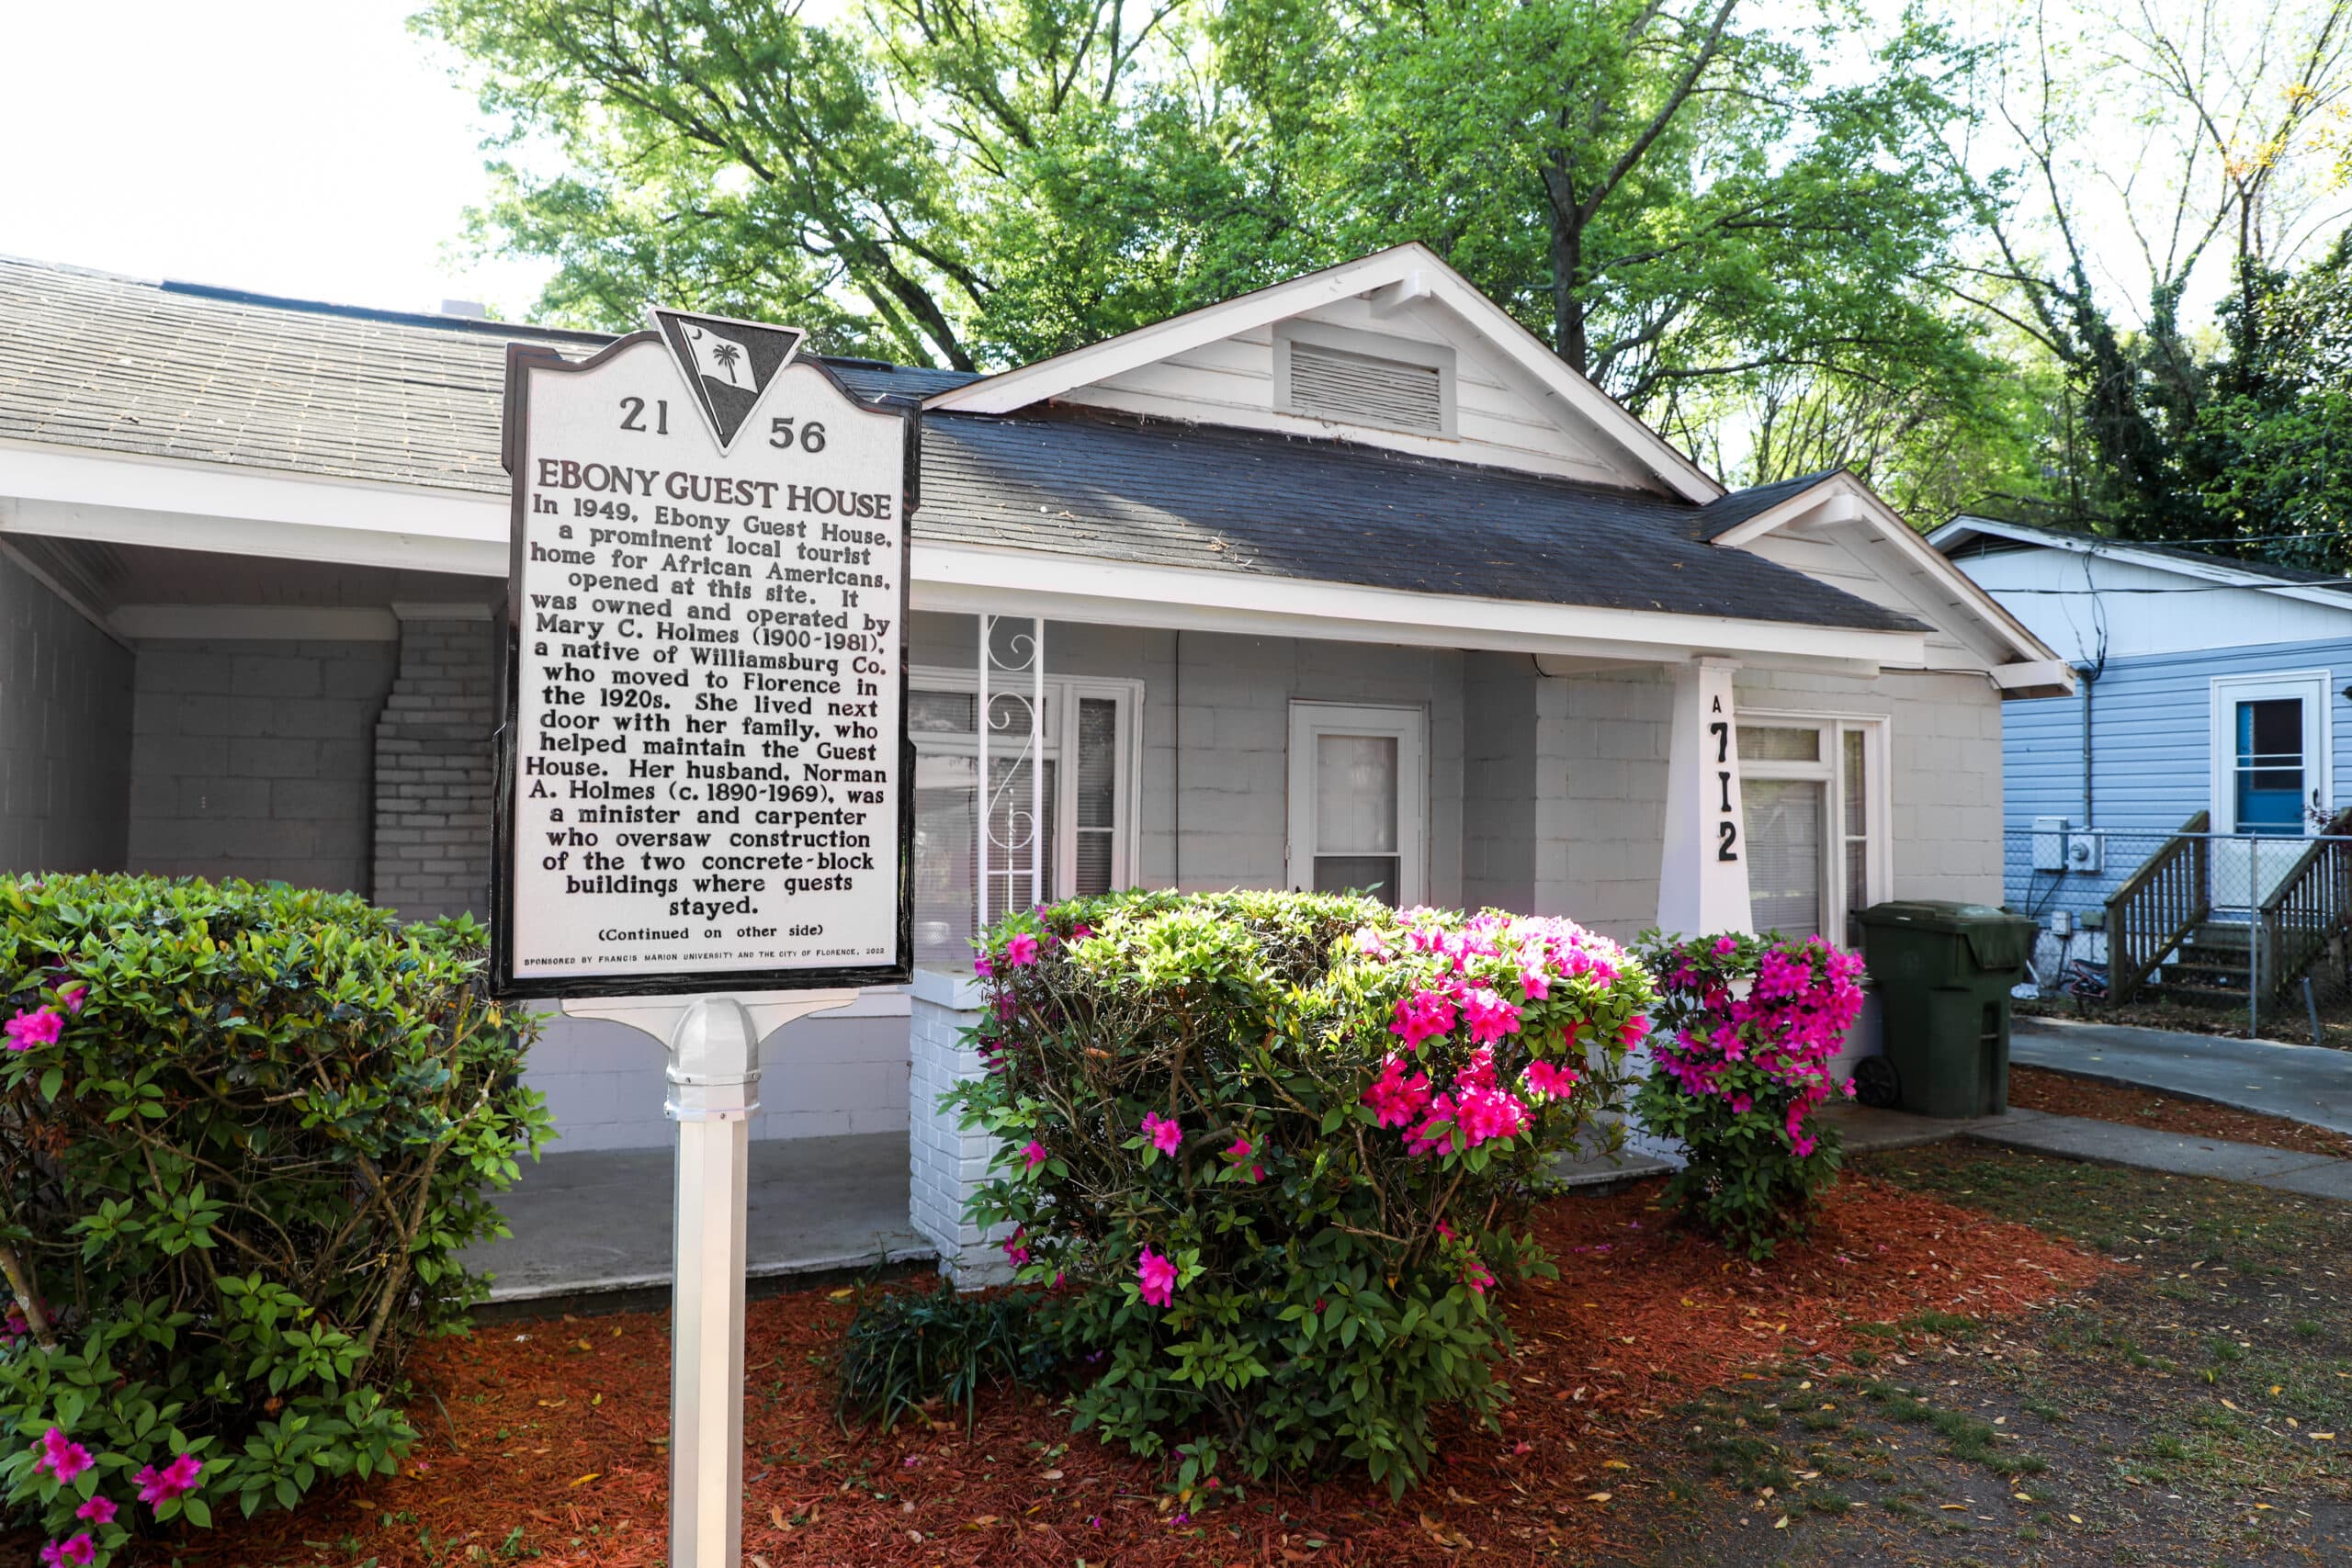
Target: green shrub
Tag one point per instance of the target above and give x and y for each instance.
(907, 1348)
(244, 1133)
(1270, 1151)
(1747, 1026)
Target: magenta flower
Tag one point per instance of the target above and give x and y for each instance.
(982, 967)
(1158, 1276)
(1422, 1016)
(1477, 1276)
(60, 1456)
(1534, 983)
(1020, 948)
(73, 993)
(1239, 1155)
(1035, 1153)
(34, 1026)
(98, 1510)
(79, 1550)
(1489, 1017)
(1545, 1079)
(176, 1479)
(1014, 1250)
(1167, 1135)
(1487, 1113)
(1395, 1099)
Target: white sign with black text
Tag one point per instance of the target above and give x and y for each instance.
(706, 788)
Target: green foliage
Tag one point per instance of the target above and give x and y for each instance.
(905, 1349)
(1256, 1146)
(234, 1185)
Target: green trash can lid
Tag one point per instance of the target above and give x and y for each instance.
(1996, 937)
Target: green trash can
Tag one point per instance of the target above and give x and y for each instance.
(1943, 972)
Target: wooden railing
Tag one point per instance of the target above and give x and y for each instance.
(2311, 905)
(2163, 902)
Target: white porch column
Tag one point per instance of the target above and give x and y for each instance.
(1702, 869)
(945, 1161)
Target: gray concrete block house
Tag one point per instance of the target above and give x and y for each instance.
(1346, 581)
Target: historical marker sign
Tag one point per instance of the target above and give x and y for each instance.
(705, 783)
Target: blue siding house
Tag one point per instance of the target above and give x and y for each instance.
(2212, 696)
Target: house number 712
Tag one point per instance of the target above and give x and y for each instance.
(1726, 830)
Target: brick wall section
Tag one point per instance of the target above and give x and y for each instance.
(65, 707)
(945, 1162)
(433, 758)
(253, 759)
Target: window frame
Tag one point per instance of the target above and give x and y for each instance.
(1063, 693)
(1878, 807)
(1408, 726)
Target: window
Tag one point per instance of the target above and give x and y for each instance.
(1357, 787)
(1813, 791)
(1087, 839)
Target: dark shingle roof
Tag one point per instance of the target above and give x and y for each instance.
(1725, 513)
(93, 360)
(217, 376)
(1226, 500)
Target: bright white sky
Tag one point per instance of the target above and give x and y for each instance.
(314, 148)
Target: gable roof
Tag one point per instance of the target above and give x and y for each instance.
(1955, 537)
(1400, 273)
(1246, 500)
(95, 360)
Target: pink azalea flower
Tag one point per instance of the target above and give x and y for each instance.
(1395, 1099)
(1014, 1250)
(79, 1550)
(1489, 1016)
(1080, 931)
(1545, 1079)
(1239, 1155)
(60, 1456)
(1533, 983)
(97, 1510)
(1477, 1276)
(1430, 1136)
(1020, 948)
(176, 1479)
(1035, 1153)
(73, 993)
(982, 967)
(1422, 1016)
(34, 1026)
(1488, 1113)
(1167, 1135)
(1158, 1276)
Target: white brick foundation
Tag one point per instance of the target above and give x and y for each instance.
(946, 1162)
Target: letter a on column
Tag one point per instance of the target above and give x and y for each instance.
(1702, 867)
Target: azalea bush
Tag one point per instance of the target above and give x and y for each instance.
(1746, 1029)
(244, 1132)
(1268, 1154)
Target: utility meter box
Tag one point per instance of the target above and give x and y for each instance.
(2086, 851)
(2050, 842)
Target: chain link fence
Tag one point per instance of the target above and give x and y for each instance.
(2252, 929)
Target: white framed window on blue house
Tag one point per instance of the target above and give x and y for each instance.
(1093, 769)
(1814, 796)
(1359, 813)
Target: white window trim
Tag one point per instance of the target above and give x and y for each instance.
(1062, 695)
(1878, 805)
(1409, 726)
(2223, 694)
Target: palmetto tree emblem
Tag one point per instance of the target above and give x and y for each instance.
(726, 353)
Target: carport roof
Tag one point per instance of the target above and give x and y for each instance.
(178, 371)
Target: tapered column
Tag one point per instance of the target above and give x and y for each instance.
(1702, 867)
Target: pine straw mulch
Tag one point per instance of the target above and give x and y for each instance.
(2063, 1094)
(557, 1429)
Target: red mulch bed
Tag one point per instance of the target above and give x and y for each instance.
(2062, 1094)
(558, 1426)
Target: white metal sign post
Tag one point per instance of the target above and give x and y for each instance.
(705, 812)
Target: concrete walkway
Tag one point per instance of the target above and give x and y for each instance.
(597, 1223)
(2112, 1143)
(2303, 1083)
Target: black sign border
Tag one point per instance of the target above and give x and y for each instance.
(523, 361)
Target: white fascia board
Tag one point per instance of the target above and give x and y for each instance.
(1843, 498)
(963, 581)
(1403, 272)
(185, 506)
(2215, 571)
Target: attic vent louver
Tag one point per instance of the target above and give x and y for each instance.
(1363, 389)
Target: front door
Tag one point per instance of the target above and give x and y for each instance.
(2270, 783)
